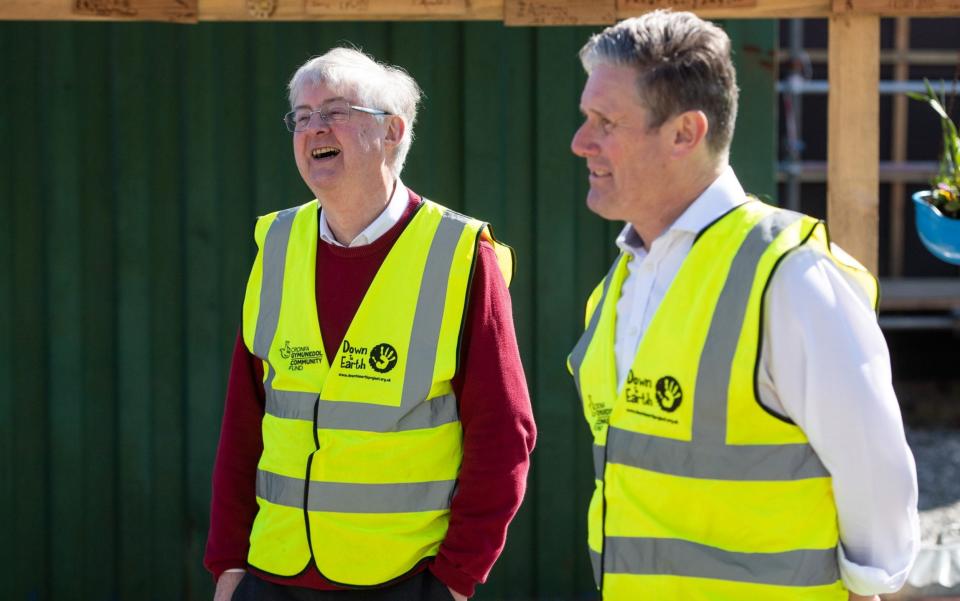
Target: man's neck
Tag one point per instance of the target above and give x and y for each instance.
(349, 213)
(652, 225)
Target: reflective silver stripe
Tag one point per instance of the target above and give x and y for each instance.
(414, 412)
(366, 417)
(356, 498)
(271, 284)
(713, 374)
(708, 456)
(726, 462)
(580, 350)
(599, 459)
(652, 556)
(596, 562)
(428, 316)
(289, 404)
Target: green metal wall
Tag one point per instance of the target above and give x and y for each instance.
(133, 161)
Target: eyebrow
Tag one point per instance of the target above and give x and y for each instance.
(591, 111)
(324, 103)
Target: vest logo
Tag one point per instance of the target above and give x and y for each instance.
(669, 394)
(298, 356)
(368, 363)
(637, 390)
(383, 358)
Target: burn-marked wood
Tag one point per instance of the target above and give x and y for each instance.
(559, 12)
(399, 8)
(627, 8)
(139, 10)
(903, 7)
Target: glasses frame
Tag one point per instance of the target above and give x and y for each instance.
(290, 123)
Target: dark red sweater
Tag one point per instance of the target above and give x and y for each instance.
(498, 427)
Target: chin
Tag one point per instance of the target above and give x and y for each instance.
(602, 206)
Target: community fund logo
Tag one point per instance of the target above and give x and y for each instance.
(358, 361)
(653, 400)
(298, 356)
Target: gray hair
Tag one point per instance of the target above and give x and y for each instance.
(374, 84)
(683, 63)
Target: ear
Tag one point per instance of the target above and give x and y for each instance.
(689, 130)
(395, 130)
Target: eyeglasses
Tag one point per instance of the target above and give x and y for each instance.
(335, 112)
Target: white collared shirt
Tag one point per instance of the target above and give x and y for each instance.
(823, 363)
(378, 227)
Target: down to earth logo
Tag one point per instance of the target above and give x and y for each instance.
(383, 358)
(669, 394)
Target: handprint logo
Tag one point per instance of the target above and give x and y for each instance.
(669, 395)
(383, 357)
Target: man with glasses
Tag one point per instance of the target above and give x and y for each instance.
(377, 426)
(747, 440)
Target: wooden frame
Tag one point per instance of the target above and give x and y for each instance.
(854, 58)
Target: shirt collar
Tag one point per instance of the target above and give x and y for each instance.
(721, 196)
(378, 227)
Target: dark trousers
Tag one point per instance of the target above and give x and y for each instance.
(419, 587)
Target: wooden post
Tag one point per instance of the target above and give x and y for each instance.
(898, 143)
(853, 139)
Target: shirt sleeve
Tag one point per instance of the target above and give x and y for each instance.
(233, 504)
(498, 433)
(825, 365)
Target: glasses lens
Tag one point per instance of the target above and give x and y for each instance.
(300, 119)
(336, 112)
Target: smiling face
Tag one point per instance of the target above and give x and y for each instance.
(339, 157)
(627, 160)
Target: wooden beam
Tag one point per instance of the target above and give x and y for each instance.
(732, 9)
(559, 12)
(853, 140)
(534, 12)
(273, 10)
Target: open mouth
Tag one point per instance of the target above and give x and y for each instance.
(324, 152)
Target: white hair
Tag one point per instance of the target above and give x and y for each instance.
(375, 85)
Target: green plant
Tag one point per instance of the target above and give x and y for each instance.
(945, 187)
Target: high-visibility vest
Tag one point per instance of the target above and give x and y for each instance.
(701, 493)
(361, 451)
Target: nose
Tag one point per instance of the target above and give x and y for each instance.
(581, 144)
(317, 123)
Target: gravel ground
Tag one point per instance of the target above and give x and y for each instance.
(937, 453)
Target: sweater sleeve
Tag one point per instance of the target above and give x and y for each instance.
(498, 433)
(233, 504)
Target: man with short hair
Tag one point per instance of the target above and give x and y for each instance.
(747, 440)
(377, 426)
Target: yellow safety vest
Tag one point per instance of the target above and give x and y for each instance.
(701, 493)
(361, 451)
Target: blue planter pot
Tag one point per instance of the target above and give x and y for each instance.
(941, 235)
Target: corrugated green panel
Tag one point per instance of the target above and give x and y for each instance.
(498, 187)
(205, 353)
(754, 150)
(32, 488)
(137, 157)
(167, 435)
(430, 169)
(233, 169)
(8, 92)
(133, 153)
(561, 556)
(59, 79)
(98, 496)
